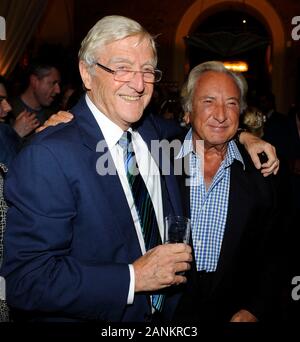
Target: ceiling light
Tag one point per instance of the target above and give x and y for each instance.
(236, 66)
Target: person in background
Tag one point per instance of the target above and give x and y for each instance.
(10, 143)
(5, 153)
(4, 313)
(43, 84)
(233, 209)
(11, 136)
(253, 120)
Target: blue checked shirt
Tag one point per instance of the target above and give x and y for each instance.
(208, 208)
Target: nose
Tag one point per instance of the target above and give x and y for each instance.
(137, 82)
(6, 107)
(57, 88)
(220, 113)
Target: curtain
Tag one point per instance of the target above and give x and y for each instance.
(22, 18)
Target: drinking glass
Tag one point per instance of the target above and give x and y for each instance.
(177, 229)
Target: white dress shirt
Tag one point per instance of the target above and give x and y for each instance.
(148, 169)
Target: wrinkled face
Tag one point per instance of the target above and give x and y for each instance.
(46, 88)
(121, 102)
(215, 108)
(4, 105)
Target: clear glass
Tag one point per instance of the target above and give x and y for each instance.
(177, 229)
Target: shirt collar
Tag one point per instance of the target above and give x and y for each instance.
(233, 153)
(232, 150)
(111, 132)
(187, 145)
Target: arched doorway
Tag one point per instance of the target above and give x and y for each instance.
(233, 36)
(261, 8)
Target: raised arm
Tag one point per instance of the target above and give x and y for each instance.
(256, 146)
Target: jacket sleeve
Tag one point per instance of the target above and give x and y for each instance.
(40, 270)
(10, 144)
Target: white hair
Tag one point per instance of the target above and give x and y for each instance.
(189, 87)
(110, 29)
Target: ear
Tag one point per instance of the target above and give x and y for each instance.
(187, 117)
(33, 80)
(85, 75)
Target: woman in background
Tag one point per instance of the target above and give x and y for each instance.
(253, 119)
(9, 144)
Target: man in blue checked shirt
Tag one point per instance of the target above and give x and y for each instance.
(230, 203)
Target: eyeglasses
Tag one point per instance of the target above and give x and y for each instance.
(124, 75)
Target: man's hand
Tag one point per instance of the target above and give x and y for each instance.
(255, 146)
(160, 267)
(25, 123)
(56, 119)
(243, 316)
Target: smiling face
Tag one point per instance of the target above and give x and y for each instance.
(122, 102)
(215, 108)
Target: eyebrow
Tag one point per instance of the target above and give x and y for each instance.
(126, 60)
(206, 97)
(234, 98)
(119, 59)
(214, 97)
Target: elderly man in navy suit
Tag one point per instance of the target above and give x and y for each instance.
(74, 246)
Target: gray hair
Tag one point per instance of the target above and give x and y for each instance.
(188, 89)
(109, 29)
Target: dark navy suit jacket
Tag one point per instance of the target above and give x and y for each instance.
(70, 235)
(10, 143)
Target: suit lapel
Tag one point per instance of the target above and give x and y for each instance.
(237, 216)
(87, 125)
(109, 184)
(183, 181)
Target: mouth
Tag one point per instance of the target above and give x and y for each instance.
(131, 98)
(218, 128)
